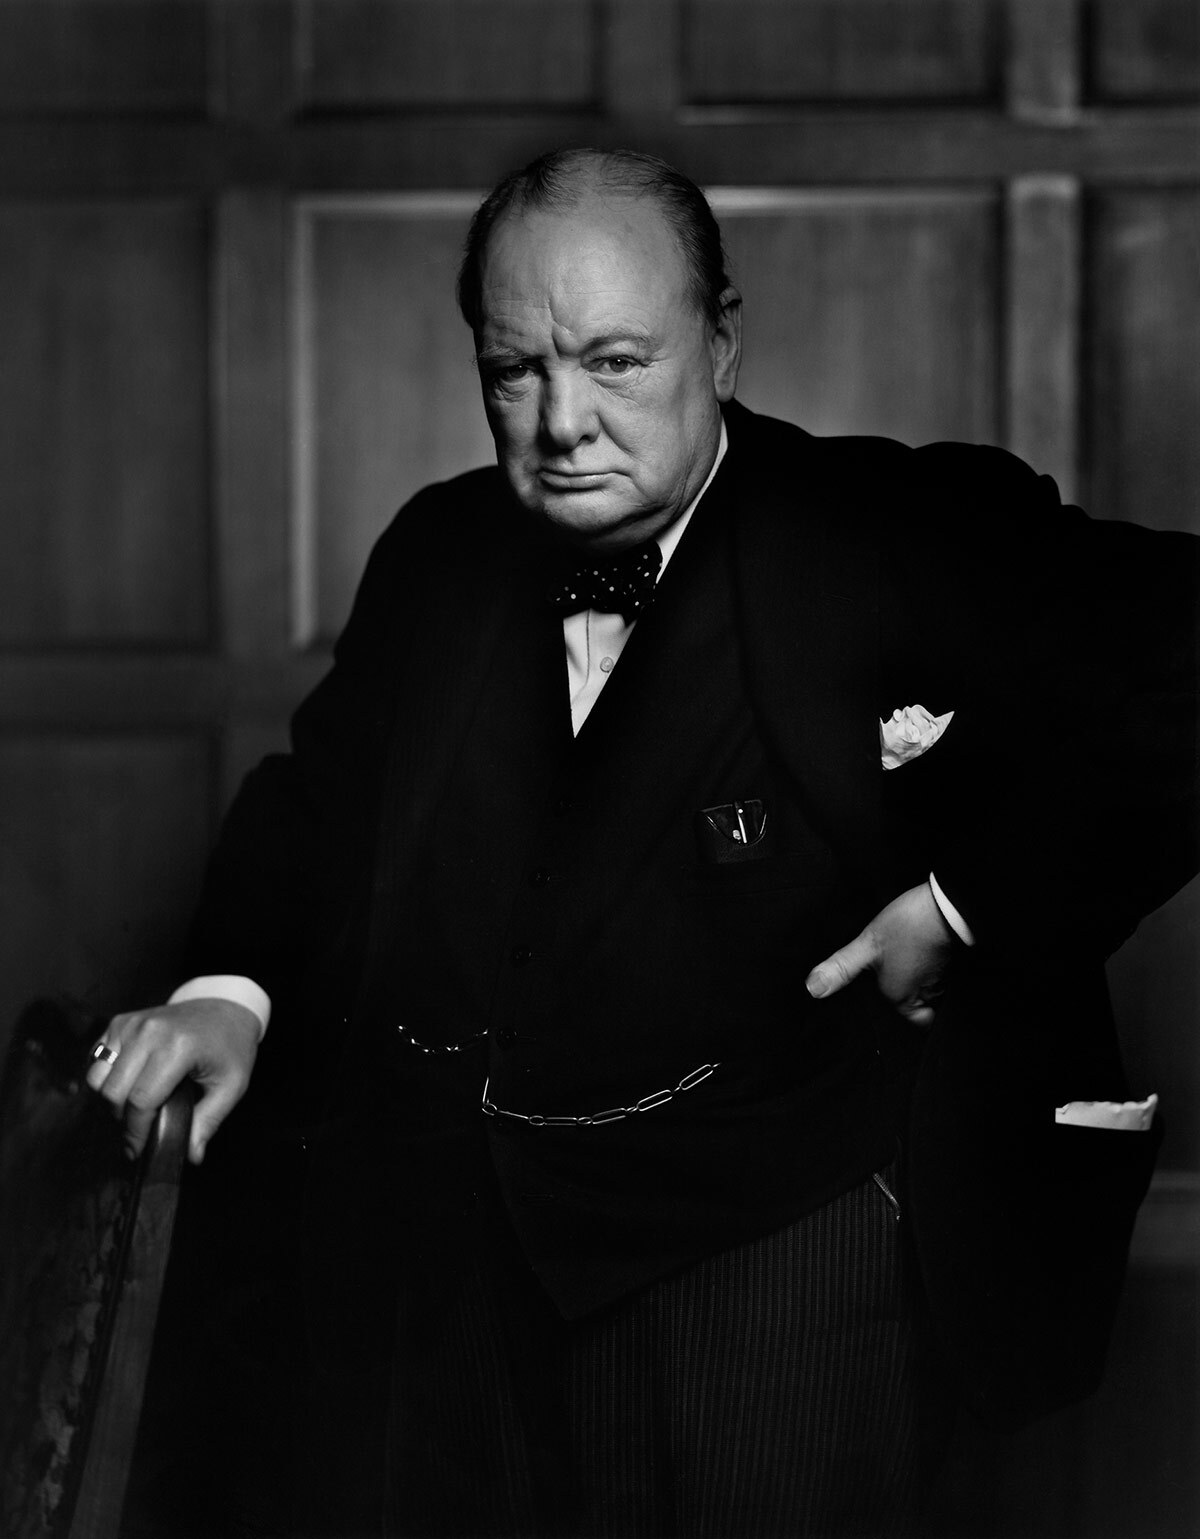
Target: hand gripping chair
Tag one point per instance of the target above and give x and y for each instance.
(84, 1239)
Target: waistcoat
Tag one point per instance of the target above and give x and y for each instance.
(580, 940)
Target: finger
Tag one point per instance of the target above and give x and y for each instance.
(139, 1120)
(110, 1039)
(124, 1072)
(836, 971)
(217, 1100)
(104, 1054)
(159, 1076)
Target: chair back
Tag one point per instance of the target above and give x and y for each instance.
(85, 1234)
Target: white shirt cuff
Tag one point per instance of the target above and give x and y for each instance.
(239, 991)
(950, 914)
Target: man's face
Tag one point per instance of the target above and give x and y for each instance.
(602, 382)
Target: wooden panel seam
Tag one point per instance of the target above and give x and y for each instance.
(309, 624)
(47, 158)
(1042, 247)
(1043, 67)
(251, 374)
(641, 65)
(302, 515)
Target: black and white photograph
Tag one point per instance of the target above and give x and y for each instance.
(599, 769)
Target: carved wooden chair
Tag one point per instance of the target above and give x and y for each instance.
(84, 1239)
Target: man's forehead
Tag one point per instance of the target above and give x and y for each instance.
(602, 267)
(604, 302)
(599, 237)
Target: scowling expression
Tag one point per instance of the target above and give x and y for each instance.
(602, 380)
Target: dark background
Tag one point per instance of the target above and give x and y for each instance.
(228, 350)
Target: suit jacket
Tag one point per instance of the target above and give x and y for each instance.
(866, 575)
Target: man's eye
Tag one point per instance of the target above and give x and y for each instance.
(508, 373)
(617, 364)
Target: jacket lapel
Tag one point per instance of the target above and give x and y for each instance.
(807, 590)
(474, 619)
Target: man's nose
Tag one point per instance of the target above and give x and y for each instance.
(568, 410)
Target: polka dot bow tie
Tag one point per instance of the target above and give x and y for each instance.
(623, 585)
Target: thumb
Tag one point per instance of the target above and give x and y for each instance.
(836, 971)
(217, 1099)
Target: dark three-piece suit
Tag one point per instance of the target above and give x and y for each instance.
(442, 889)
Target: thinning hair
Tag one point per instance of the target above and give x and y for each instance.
(563, 178)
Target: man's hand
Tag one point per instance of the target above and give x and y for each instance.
(908, 946)
(214, 1041)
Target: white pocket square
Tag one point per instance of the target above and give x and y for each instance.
(1122, 1116)
(908, 734)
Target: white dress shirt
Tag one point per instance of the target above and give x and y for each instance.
(595, 638)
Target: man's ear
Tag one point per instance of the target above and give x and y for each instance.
(726, 343)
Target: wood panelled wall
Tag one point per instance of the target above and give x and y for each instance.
(228, 350)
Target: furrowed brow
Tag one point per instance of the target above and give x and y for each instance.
(622, 338)
(492, 355)
(497, 354)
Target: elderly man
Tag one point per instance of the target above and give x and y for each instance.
(688, 896)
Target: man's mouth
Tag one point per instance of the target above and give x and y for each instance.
(572, 480)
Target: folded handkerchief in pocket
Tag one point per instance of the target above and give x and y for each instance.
(1121, 1116)
(908, 734)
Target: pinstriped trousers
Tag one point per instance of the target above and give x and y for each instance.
(774, 1389)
